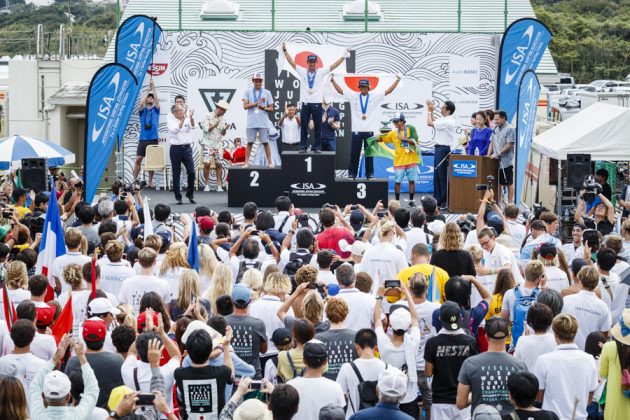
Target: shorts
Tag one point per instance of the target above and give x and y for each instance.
(506, 175)
(449, 411)
(425, 389)
(263, 135)
(142, 146)
(210, 154)
(411, 173)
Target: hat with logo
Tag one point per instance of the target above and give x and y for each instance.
(315, 351)
(252, 409)
(165, 235)
(547, 250)
(400, 319)
(450, 316)
(223, 104)
(486, 412)
(94, 329)
(56, 385)
(257, 76)
(200, 325)
(205, 223)
(45, 315)
(311, 57)
(331, 412)
(241, 292)
(621, 330)
(392, 382)
(100, 306)
(281, 337)
(364, 83)
(142, 320)
(117, 395)
(356, 220)
(497, 328)
(399, 116)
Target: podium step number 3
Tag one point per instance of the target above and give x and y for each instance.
(309, 180)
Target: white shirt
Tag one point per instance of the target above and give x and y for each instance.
(488, 282)
(171, 276)
(532, 346)
(517, 232)
(509, 300)
(62, 261)
(370, 369)
(235, 264)
(144, 375)
(395, 356)
(316, 94)
(372, 121)
(556, 278)
(427, 330)
(499, 258)
(611, 280)
(571, 252)
(621, 300)
(266, 309)
(79, 306)
(316, 393)
(179, 136)
(326, 277)
(43, 346)
(383, 262)
(279, 219)
(566, 374)
(416, 236)
(15, 296)
(30, 366)
(290, 132)
(620, 266)
(133, 288)
(113, 274)
(445, 132)
(591, 313)
(360, 308)
(285, 257)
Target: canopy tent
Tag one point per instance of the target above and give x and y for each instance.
(601, 130)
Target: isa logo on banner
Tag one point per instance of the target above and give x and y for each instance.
(465, 169)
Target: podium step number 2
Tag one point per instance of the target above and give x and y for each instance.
(309, 180)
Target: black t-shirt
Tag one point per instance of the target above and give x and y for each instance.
(455, 263)
(533, 415)
(447, 353)
(340, 349)
(604, 227)
(607, 191)
(249, 333)
(201, 390)
(106, 367)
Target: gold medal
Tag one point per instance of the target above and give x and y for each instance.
(364, 117)
(310, 91)
(406, 150)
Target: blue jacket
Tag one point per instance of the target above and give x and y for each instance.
(381, 411)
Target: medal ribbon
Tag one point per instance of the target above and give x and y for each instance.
(367, 100)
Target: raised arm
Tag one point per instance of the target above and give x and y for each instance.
(610, 209)
(487, 198)
(287, 55)
(393, 86)
(430, 109)
(156, 101)
(336, 86)
(337, 63)
(282, 311)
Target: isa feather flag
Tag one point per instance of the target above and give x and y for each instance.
(53, 244)
(193, 248)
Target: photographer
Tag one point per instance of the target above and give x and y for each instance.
(603, 215)
(149, 110)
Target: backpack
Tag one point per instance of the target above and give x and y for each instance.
(367, 391)
(521, 306)
(244, 266)
(296, 261)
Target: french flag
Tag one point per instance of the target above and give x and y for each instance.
(53, 244)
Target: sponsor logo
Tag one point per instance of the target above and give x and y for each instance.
(402, 106)
(425, 170)
(465, 166)
(465, 169)
(105, 106)
(308, 189)
(212, 96)
(519, 55)
(157, 69)
(526, 120)
(134, 45)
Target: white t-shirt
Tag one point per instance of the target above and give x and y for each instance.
(290, 132)
(326, 277)
(370, 369)
(171, 277)
(360, 308)
(591, 313)
(60, 263)
(371, 102)
(316, 393)
(30, 366)
(285, 257)
(113, 274)
(556, 278)
(158, 262)
(566, 374)
(530, 347)
(43, 346)
(383, 262)
(316, 94)
(266, 309)
(499, 257)
(571, 252)
(416, 236)
(488, 282)
(133, 288)
(517, 232)
(611, 280)
(79, 306)
(235, 263)
(445, 132)
(620, 267)
(427, 330)
(279, 218)
(15, 296)
(144, 375)
(395, 356)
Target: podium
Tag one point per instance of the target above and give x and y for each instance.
(464, 173)
(307, 178)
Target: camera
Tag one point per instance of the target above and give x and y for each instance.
(329, 206)
(132, 187)
(354, 207)
(7, 214)
(591, 190)
(487, 185)
(467, 224)
(303, 217)
(148, 126)
(534, 213)
(390, 284)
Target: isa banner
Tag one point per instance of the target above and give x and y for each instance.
(528, 93)
(110, 101)
(522, 48)
(135, 42)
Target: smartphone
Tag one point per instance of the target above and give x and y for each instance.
(255, 233)
(391, 284)
(193, 298)
(256, 385)
(381, 214)
(145, 399)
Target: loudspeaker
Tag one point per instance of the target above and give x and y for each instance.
(578, 169)
(35, 174)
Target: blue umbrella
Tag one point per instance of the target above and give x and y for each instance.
(15, 148)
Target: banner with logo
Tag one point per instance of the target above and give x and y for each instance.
(135, 42)
(464, 80)
(522, 48)
(384, 168)
(528, 93)
(110, 100)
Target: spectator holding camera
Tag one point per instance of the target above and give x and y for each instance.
(603, 214)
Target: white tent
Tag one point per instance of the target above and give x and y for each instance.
(601, 130)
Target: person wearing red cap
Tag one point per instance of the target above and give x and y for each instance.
(206, 226)
(106, 365)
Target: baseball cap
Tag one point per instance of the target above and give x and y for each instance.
(450, 316)
(252, 409)
(392, 382)
(311, 57)
(577, 264)
(486, 412)
(400, 319)
(315, 350)
(538, 225)
(281, 337)
(142, 320)
(45, 315)
(547, 250)
(331, 412)
(495, 221)
(333, 289)
(399, 116)
(364, 83)
(436, 227)
(56, 385)
(165, 235)
(356, 220)
(241, 292)
(102, 306)
(94, 329)
(257, 76)
(497, 328)
(200, 325)
(117, 395)
(358, 248)
(205, 223)
(3, 230)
